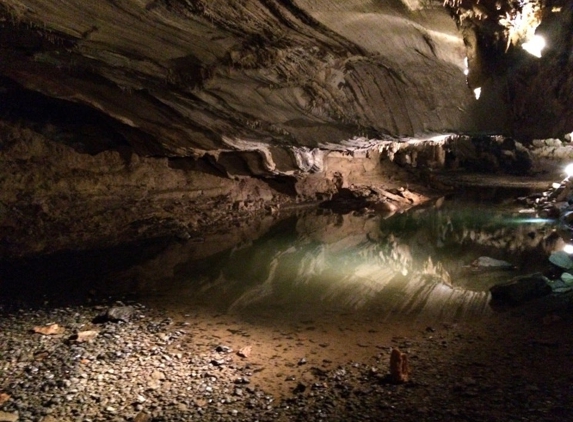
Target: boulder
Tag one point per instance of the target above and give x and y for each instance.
(521, 289)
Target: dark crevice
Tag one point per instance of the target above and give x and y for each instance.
(202, 164)
(70, 275)
(308, 20)
(282, 184)
(80, 127)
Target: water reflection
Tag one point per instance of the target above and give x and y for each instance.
(416, 264)
(412, 265)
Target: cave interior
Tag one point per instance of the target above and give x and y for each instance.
(259, 164)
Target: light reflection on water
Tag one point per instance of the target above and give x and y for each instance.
(411, 265)
(414, 265)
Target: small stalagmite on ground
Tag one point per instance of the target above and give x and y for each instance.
(399, 367)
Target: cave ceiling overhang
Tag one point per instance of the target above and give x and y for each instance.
(194, 74)
(187, 77)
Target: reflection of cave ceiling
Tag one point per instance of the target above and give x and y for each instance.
(179, 77)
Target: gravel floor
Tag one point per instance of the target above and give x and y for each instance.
(515, 366)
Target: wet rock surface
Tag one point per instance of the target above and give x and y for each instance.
(521, 289)
(166, 367)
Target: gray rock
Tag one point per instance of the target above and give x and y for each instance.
(561, 259)
(487, 262)
(119, 313)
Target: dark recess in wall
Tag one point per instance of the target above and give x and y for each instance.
(80, 127)
(70, 275)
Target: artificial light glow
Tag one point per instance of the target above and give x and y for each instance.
(535, 45)
(532, 220)
(568, 248)
(477, 93)
(569, 170)
(439, 138)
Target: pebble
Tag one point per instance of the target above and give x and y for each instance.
(9, 416)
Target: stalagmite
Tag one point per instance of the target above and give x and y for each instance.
(399, 367)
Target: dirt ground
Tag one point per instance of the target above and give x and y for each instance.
(514, 364)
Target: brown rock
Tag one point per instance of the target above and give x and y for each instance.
(4, 398)
(83, 336)
(48, 330)
(53, 419)
(158, 375)
(9, 417)
(142, 417)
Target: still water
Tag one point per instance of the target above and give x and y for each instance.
(412, 266)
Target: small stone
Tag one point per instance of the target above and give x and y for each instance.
(9, 417)
(115, 314)
(245, 352)
(487, 262)
(84, 336)
(48, 330)
(142, 417)
(158, 375)
(120, 313)
(223, 349)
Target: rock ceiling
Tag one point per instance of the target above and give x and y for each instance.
(201, 76)
(181, 77)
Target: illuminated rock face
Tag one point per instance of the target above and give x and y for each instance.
(526, 91)
(183, 77)
(117, 115)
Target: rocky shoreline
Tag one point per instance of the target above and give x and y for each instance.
(158, 366)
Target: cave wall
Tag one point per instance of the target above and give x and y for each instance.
(523, 95)
(55, 197)
(540, 91)
(132, 119)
